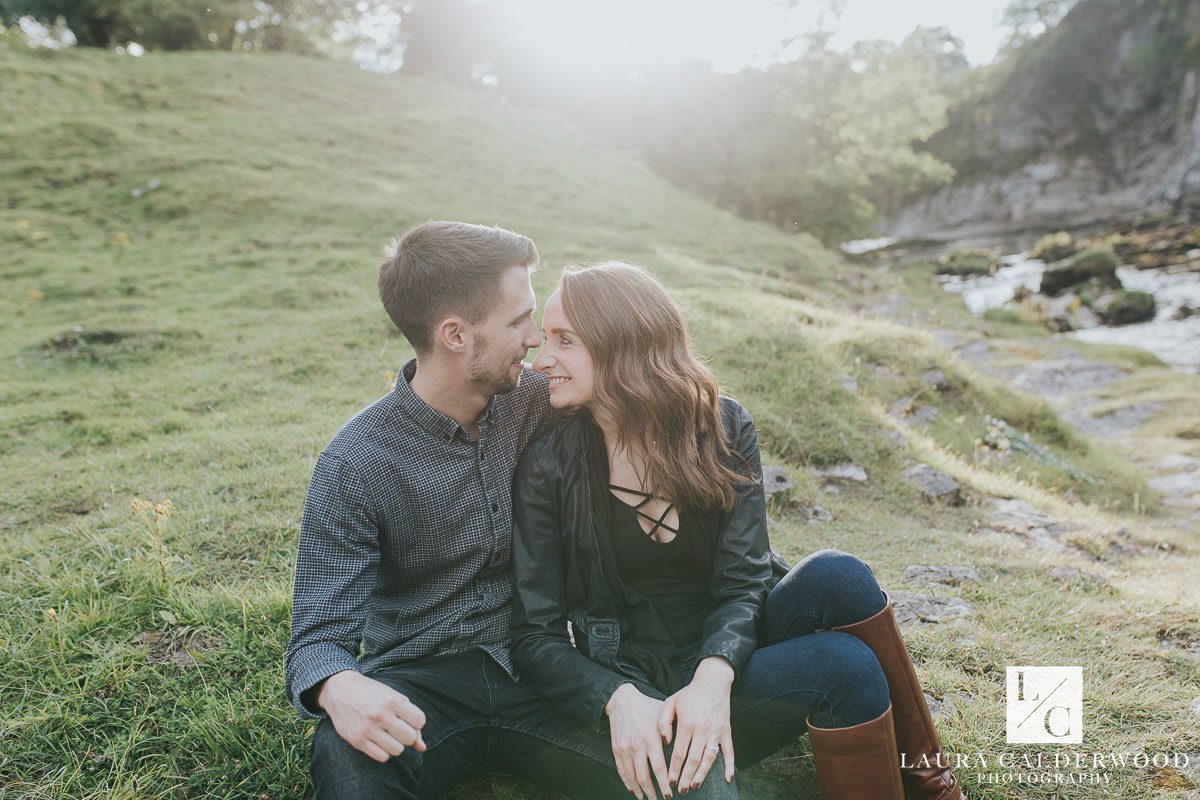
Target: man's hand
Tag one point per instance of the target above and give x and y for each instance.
(701, 711)
(371, 716)
(637, 740)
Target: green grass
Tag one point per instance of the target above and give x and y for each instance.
(228, 326)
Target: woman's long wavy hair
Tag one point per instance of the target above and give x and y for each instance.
(664, 401)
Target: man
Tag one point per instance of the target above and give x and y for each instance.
(401, 608)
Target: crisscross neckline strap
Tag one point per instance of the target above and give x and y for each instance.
(659, 522)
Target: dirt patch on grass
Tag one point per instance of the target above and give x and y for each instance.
(176, 649)
(111, 347)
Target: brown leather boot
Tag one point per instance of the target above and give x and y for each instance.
(927, 776)
(859, 762)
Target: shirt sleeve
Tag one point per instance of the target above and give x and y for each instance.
(336, 565)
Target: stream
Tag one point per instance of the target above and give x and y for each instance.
(1175, 341)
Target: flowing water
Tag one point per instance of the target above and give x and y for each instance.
(1175, 341)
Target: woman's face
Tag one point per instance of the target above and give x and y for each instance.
(564, 359)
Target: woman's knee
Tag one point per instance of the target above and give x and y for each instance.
(857, 689)
(845, 586)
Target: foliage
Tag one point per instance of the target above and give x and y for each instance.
(299, 26)
(818, 144)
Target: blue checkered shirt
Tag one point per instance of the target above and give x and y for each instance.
(406, 537)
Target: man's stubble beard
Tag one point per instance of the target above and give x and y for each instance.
(485, 375)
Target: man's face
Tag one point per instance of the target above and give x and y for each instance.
(500, 342)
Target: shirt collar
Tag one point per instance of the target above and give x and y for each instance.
(430, 418)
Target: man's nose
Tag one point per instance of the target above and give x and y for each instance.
(532, 337)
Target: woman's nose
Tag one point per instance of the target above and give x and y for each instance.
(542, 362)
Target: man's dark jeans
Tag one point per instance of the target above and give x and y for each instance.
(479, 720)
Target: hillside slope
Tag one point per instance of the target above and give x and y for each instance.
(189, 245)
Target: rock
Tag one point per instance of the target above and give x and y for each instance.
(893, 303)
(1183, 312)
(934, 485)
(847, 471)
(1127, 308)
(909, 607)
(1194, 706)
(775, 480)
(967, 262)
(849, 383)
(923, 575)
(815, 514)
(936, 378)
(1054, 247)
(1177, 483)
(1090, 266)
(1118, 421)
(906, 410)
(974, 352)
(1065, 312)
(1065, 375)
(1072, 575)
(1178, 461)
(1020, 518)
(1179, 639)
(939, 709)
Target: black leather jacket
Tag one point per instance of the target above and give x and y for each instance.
(565, 571)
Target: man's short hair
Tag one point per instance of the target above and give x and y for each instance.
(441, 268)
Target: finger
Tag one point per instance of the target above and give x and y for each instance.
(707, 759)
(372, 751)
(386, 742)
(625, 771)
(401, 731)
(727, 754)
(408, 711)
(645, 782)
(665, 719)
(683, 739)
(694, 756)
(658, 764)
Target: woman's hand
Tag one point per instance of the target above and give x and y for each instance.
(637, 740)
(701, 713)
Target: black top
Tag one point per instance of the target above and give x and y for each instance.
(668, 574)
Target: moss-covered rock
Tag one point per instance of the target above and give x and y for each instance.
(1055, 247)
(967, 262)
(1127, 307)
(1097, 267)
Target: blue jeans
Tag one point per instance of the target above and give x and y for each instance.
(478, 720)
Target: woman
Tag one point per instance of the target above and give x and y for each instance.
(645, 589)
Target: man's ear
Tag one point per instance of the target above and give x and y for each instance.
(451, 335)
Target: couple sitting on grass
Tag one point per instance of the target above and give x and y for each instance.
(563, 572)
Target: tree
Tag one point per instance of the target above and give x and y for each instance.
(305, 26)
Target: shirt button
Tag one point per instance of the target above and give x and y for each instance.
(495, 508)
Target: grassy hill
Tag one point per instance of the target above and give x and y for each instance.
(188, 245)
